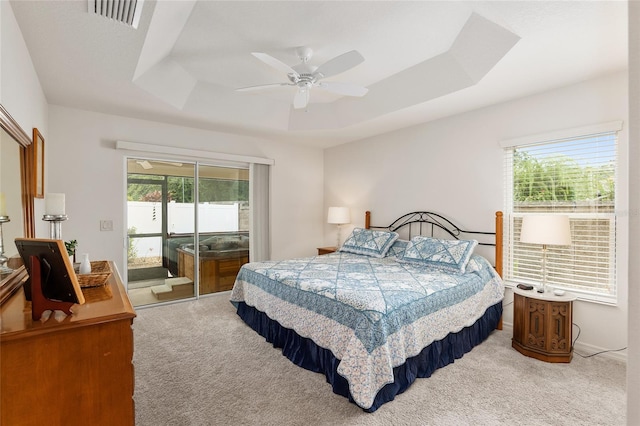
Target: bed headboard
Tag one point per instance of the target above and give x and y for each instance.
(426, 223)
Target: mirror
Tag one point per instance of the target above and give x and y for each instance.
(16, 184)
(11, 188)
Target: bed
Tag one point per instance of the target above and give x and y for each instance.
(394, 303)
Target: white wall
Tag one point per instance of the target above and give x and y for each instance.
(84, 164)
(21, 94)
(454, 166)
(20, 90)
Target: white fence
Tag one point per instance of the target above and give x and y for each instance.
(146, 218)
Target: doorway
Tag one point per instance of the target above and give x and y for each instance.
(152, 186)
(187, 229)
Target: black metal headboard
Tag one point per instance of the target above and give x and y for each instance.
(433, 221)
(426, 223)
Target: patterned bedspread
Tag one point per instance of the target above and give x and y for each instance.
(373, 314)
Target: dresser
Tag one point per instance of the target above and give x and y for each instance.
(542, 325)
(71, 370)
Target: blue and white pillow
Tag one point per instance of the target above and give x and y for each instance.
(397, 249)
(369, 243)
(448, 255)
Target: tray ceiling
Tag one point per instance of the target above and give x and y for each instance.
(424, 60)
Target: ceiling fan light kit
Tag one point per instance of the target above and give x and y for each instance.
(305, 76)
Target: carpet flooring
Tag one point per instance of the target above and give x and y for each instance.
(197, 363)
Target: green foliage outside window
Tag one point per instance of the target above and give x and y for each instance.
(132, 253)
(219, 190)
(180, 190)
(560, 178)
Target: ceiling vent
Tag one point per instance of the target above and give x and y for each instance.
(126, 11)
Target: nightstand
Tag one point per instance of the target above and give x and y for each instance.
(542, 325)
(326, 250)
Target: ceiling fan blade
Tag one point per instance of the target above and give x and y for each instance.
(347, 89)
(301, 100)
(340, 64)
(263, 87)
(145, 164)
(275, 63)
(170, 163)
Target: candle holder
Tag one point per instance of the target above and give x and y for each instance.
(3, 259)
(55, 224)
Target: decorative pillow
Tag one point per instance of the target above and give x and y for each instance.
(398, 248)
(449, 255)
(369, 243)
(476, 264)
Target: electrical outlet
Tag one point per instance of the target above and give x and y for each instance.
(106, 225)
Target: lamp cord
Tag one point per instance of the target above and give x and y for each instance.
(594, 354)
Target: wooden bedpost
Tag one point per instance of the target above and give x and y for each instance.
(367, 219)
(499, 253)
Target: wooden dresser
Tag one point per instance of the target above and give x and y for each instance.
(74, 370)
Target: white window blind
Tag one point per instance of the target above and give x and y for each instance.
(573, 176)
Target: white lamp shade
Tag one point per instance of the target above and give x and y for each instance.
(3, 207)
(54, 204)
(546, 229)
(339, 215)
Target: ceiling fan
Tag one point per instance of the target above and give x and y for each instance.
(306, 76)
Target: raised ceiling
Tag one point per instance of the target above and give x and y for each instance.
(424, 60)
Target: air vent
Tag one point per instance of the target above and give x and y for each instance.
(125, 11)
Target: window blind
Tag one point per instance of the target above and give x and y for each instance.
(576, 177)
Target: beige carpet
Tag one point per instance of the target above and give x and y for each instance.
(197, 363)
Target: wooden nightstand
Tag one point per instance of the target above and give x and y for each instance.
(326, 250)
(542, 325)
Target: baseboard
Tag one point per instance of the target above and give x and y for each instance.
(583, 348)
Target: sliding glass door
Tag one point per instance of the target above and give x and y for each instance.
(158, 226)
(223, 225)
(163, 239)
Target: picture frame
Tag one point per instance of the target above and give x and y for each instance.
(59, 281)
(38, 164)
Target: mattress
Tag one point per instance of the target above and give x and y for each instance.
(371, 314)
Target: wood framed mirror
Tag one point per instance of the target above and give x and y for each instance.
(16, 171)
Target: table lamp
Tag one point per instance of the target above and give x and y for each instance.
(338, 216)
(54, 214)
(552, 229)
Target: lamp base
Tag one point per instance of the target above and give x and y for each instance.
(4, 269)
(55, 225)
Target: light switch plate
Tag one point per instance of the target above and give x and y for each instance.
(106, 225)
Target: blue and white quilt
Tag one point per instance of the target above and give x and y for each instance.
(372, 313)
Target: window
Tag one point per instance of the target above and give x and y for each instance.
(573, 176)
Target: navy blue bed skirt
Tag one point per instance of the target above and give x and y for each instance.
(306, 354)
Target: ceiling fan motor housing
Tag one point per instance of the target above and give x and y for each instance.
(303, 80)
